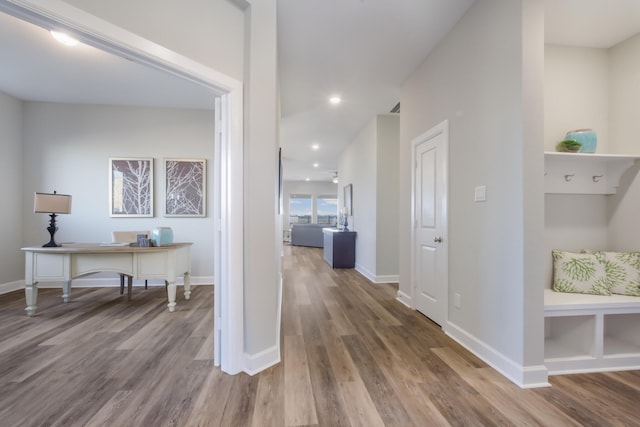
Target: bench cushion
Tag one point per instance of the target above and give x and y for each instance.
(579, 273)
(622, 271)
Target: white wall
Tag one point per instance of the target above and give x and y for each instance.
(370, 164)
(67, 148)
(313, 188)
(357, 166)
(624, 228)
(11, 171)
(210, 32)
(262, 233)
(387, 182)
(624, 83)
(597, 88)
(576, 93)
(486, 78)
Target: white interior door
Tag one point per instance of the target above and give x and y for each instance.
(430, 280)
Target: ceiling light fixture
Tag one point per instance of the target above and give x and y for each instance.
(335, 178)
(315, 147)
(307, 179)
(335, 100)
(64, 38)
(315, 165)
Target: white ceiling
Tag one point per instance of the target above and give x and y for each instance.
(35, 67)
(361, 50)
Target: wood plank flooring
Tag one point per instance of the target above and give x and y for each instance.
(351, 356)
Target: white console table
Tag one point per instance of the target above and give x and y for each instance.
(70, 261)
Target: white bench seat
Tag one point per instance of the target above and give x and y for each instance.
(591, 333)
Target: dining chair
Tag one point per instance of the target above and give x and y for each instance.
(127, 237)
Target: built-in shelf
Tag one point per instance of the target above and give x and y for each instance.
(588, 333)
(582, 173)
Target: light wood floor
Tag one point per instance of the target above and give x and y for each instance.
(351, 354)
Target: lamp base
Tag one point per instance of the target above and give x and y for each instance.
(52, 231)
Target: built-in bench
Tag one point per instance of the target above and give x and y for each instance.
(590, 333)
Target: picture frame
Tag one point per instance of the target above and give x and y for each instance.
(130, 187)
(185, 187)
(348, 199)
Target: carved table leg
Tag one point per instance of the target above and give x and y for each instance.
(187, 286)
(31, 295)
(66, 291)
(171, 295)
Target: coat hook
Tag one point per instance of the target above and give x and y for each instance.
(568, 178)
(596, 178)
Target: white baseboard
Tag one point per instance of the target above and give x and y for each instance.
(405, 299)
(395, 278)
(11, 286)
(377, 279)
(102, 282)
(256, 363)
(522, 376)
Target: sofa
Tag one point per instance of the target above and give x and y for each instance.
(308, 235)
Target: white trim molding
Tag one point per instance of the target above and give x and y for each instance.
(405, 299)
(5, 288)
(522, 376)
(374, 278)
(255, 363)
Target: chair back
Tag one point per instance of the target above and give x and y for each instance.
(127, 236)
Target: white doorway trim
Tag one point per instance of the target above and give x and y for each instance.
(229, 175)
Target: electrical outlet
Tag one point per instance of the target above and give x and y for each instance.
(457, 301)
(480, 194)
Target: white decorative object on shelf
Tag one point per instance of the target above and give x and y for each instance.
(578, 173)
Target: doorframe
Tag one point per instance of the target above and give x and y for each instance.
(229, 176)
(441, 128)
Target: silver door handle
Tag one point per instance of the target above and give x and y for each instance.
(438, 239)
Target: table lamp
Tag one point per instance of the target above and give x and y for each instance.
(52, 203)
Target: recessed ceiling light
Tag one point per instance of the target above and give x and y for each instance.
(64, 38)
(307, 179)
(315, 165)
(335, 100)
(315, 147)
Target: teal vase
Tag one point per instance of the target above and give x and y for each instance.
(162, 236)
(586, 137)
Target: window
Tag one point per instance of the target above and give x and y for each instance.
(300, 209)
(327, 210)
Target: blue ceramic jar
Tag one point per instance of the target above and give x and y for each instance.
(162, 236)
(586, 137)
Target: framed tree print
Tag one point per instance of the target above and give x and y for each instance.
(130, 187)
(185, 187)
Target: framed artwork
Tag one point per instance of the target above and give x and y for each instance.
(185, 187)
(348, 199)
(130, 187)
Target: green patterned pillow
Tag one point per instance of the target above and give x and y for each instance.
(579, 273)
(623, 271)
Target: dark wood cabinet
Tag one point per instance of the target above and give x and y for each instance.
(339, 248)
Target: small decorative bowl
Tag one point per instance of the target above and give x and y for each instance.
(568, 146)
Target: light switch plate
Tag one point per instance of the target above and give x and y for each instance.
(480, 194)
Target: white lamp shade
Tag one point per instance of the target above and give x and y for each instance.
(52, 203)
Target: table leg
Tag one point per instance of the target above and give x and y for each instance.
(171, 295)
(66, 291)
(187, 286)
(31, 295)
